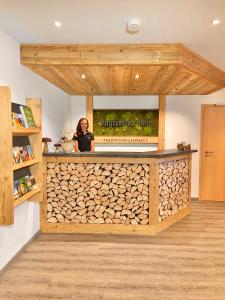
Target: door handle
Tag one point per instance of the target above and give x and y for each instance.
(208, 153)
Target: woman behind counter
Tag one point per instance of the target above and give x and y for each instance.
(83, 139)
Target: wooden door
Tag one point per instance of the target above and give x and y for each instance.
(212, 154)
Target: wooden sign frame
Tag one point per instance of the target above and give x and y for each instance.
(159, 140)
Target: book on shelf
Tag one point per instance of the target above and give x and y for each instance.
(33, 182)
(25, 153)
(24, 185)
(18, 120)
(15, 191)
(22, 154)
(24, 119)
(28, 116)
(30, 151)
(28, 182)
(15, 122)
(17, 155)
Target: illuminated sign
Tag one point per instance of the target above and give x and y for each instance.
(120, 122)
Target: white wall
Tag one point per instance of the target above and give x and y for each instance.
(182, 120)
(56, 117)
(183, 115)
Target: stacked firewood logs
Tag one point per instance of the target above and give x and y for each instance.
(98, 193)
(173, 187)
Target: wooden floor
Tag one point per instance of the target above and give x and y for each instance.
(187, 261)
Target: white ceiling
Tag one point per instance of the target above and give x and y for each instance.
(104, 21)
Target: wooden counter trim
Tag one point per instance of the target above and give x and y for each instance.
(158, 154)
(190, 177)
(99, 228)
(173, 218)
(154, 193)
(80, 160)
(43, 204)
(175, 157)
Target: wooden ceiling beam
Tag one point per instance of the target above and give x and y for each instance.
(125, 54)
(200, 66)
(110, 69)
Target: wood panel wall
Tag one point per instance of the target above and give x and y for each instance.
(6, 163)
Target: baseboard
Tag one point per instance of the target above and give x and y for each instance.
(195, 198)
(5, 268)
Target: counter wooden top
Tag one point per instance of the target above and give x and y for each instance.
(146, 154)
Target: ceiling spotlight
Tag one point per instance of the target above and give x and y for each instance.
(83, 76)
(216, 22)
(57, 24)
(136, 76)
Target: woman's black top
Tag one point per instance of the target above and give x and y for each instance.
(84, 141)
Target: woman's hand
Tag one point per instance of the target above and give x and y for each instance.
(76, 146)
(92, 146)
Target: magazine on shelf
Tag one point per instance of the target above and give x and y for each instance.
(33, 182)
(28, 182)
(17, 188)
(17, 155)
(30, 151)
(18, 120)
(22, 154)
(24, 185)
(25, 154)
(15, 122)
(15, 191)
(28, 116)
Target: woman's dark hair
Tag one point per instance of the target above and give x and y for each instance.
(78, 129)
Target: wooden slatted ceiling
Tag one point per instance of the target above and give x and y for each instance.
(110, 69)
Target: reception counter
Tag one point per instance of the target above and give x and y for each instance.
(115, 192)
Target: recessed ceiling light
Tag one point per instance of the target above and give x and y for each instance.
(216, 22)
(57, 24)
(136, 76)
(83, 76)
